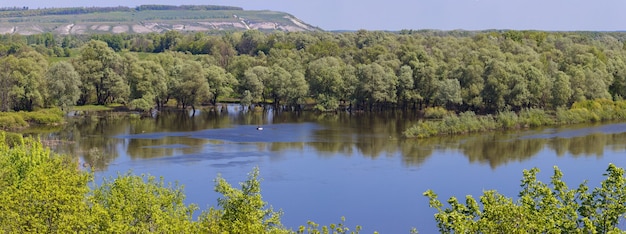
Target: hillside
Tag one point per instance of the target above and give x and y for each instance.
(144, 19)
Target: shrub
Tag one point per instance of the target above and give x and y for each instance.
(243, 210)
(12, 121)
(423, 129)
(11, 139)
(541, 208)
(436, 112)
(573, 116)
(44, 117)
(140, 104)
(508, 120)
(535, 117)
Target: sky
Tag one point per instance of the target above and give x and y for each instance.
(549, 15)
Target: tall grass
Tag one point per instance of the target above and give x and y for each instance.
(436, 112)
(17, 120)
(467, 122)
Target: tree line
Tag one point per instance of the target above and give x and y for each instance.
(484, 72)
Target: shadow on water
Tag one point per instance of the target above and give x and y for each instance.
(180, 137)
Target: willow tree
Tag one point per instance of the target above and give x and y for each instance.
(63, 84)
(148, 84)
(377, 85)
(221, 83)
(193, 88)
(101, 73)
(328, 81)
(22, 84)
(253, 81)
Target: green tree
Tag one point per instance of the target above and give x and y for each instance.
(406, 86)
(22, 81)
(561, 90)
(41, 192)
(140, 204)
(246, 99)
(376, 84)
(148, 84)
(63, 84)
(426, 79)
(172, 64)
(539, 86)
(242, 210)
(252, 41)
(327, 81)
(495, 89)
(472, 84)
(253, 81)
(101, 73)
(193, 88)
(221, 82)
(449, 92)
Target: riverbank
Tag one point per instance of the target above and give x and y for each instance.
(12, 121)
(469, 122)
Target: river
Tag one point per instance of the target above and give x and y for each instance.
(321, 167)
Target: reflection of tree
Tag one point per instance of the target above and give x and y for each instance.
(593, 144)
(325, 148)
(91, 138)
(166, 146)
(182, 121)
(280, 146)
(367, 134)
(372, 134)
(491, 149)
(416, 151)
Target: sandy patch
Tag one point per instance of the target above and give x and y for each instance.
(104, 28)
(220, 25)
(195, 28)
(7, 30)
(120, 28)
(141, 29)
(33, 29)
(179, 27)
(263, 25)
(299, 23)
(67, 28)
(78, 29)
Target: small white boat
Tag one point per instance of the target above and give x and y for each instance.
(259, 128)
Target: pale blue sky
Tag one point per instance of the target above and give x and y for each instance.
(562, 15)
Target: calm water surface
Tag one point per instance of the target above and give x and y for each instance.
(321, 167)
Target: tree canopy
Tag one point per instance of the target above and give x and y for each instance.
(484, 72)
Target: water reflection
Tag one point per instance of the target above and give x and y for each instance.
(177, 136)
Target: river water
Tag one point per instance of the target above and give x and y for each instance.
(321, 167)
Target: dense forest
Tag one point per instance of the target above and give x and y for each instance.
(484, 72)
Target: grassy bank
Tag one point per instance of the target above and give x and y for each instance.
(18, 120)
(469, 122)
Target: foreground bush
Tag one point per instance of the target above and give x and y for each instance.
(541, 208)
(40, 192)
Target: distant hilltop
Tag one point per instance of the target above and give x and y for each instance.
(144, 19)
